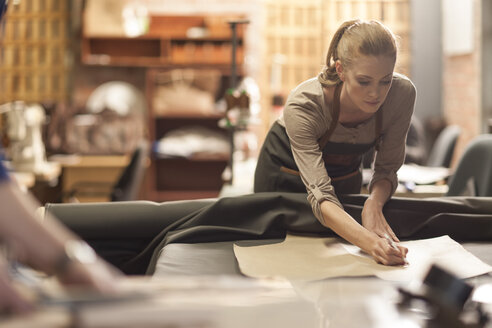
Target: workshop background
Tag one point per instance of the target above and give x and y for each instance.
(200, 82)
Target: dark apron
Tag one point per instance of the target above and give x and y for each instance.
(277, 171)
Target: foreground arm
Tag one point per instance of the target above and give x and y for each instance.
(43, 246)
(346, 227)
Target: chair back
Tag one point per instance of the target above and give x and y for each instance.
(474, 170)
(442, 150)
(130, 180)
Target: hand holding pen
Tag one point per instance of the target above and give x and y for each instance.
(393, 245)
(386, 251)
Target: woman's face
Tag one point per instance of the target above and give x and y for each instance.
(366, 82)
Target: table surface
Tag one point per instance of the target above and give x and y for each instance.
(207, 295)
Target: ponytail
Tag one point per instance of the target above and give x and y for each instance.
(328, 75)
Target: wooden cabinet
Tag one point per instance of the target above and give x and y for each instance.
(198, 42)
(175, 178)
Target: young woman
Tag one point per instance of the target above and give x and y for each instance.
(355, 104)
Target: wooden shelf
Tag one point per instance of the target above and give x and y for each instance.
(170, 41)
(189, 115)
(178, 26)
(165, 124)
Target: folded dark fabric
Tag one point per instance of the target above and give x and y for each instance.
(131, 234)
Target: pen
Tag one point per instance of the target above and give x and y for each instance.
(392, 243)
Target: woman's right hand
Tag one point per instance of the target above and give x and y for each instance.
(346, 227)
(384, 253)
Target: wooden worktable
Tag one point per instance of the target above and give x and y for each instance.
(77, 169)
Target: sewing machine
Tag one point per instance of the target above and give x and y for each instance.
(26, 149)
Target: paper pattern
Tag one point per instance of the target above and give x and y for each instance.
(313, 258)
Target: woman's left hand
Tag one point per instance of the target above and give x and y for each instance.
(374, 220)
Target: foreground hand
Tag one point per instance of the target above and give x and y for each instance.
(97, 276)
(11, 300)
(384, 253)
(79, 265)
(374, 220)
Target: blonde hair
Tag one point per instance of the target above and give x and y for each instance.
(353, 39)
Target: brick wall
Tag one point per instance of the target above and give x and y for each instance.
(462, 88)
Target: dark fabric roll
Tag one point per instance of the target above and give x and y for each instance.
(151, 226)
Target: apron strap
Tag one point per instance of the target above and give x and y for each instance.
(335, 114)
(379, 128)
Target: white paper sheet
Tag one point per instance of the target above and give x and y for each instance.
(422, 174)
(310, 258)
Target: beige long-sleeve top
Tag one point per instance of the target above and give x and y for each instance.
(307, 118)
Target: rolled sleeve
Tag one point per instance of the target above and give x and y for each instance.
(389, 176)
(316, 197)
(317, 193)
(305, 122)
